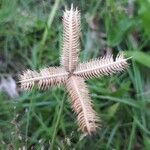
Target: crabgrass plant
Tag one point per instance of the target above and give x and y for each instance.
(73, 74)
(30, 34)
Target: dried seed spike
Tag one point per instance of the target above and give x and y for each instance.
(71, 43)
(54, 76)
(102, 66)
(44, 79)
(81, 104)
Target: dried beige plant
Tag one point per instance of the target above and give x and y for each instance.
(73, 74)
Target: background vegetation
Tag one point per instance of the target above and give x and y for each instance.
(30, 37)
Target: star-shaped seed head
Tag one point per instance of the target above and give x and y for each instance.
(72, 74)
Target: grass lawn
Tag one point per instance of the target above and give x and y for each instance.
(31, 37)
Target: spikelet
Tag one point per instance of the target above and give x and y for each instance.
(81, 104)
(26, 79)
(103, 66)
(44, 79)
(71, 43)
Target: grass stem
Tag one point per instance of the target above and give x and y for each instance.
(57, 122)
(49, 22)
